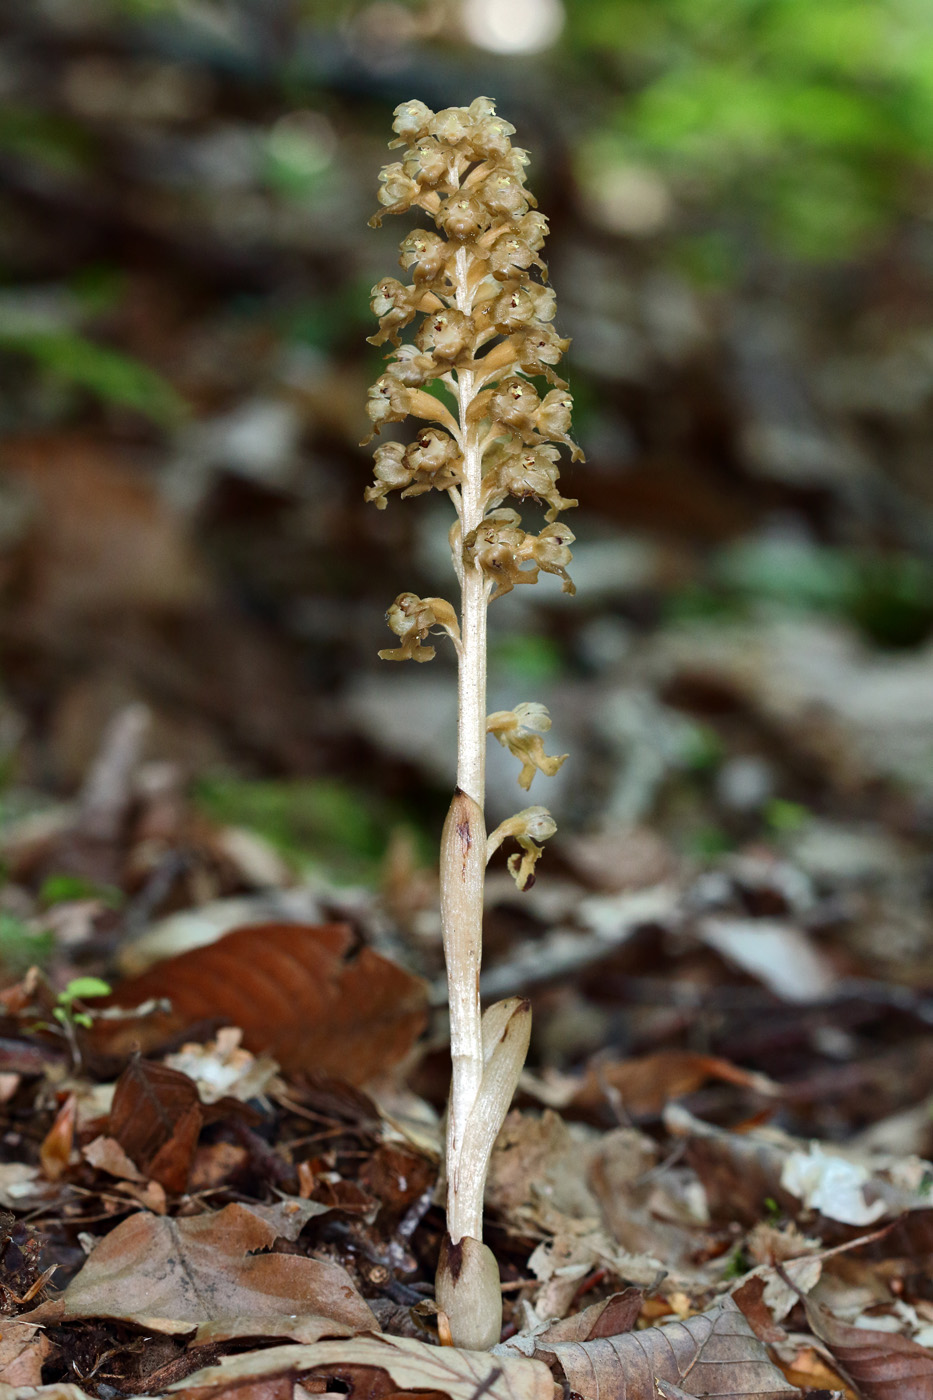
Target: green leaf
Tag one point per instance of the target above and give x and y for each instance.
(110, 375)
(80, 988)
(56, 889)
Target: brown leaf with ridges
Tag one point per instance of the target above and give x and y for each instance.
(883, 1365)
(714, 1354)
(208, 1272)
(299, 993)
(376, 1367)
(156, 1117)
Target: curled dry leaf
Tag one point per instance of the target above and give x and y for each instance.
(156, 1117)
(379, 1366)
(645, 1084)
(714, 1354)
(882, 1365)
(205, 1272)
(298, 992)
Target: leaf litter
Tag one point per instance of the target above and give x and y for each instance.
(656, 1225)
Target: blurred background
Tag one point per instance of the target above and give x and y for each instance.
(741, 204)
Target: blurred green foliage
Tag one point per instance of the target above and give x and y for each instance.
(803, 121)
(109, 375)
(314, 823)
(21, 948)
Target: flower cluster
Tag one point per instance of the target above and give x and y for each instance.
(477, 311)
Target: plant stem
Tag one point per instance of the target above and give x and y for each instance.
(462, 909)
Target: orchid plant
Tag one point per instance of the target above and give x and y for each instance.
(479, 295)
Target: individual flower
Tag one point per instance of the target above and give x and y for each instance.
(500, 546)
(411, 367)
(538, 349)
(445, 333)
(425, 254)
(388, 401)
(520, 731)
(463, 217)
(533, 228)
(433, 451)
(490, 135)
(551, 552)
(428, 162)
(528, 827)
(391, 473)
(510, 254)
(395, 305)
(412, 120)
(411, 618)
(515, 404)
(529, 473)
(397, 188)
(503, 193)
(452, 125)
(512, 310)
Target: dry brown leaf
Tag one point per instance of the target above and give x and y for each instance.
(23, 1348)
(610, 1318)
(204, 1272)
(714, 1354)
(883, 1365)
(106, 1154)
(156, 1117)
(645, 1084)
(299, 992)
(57, 1145)
(375, 1367)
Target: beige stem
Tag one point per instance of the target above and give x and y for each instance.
(463, 846)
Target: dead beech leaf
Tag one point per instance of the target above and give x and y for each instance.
(882, 1365)
(714, 1354)
(156, 1117)
(23, 1349)
(647, 1083)
(204, 1272)
(55, 1152)
(106, 1154)
(376, 1367)
(610, 1318)
(297, 991)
